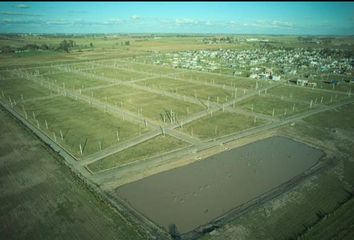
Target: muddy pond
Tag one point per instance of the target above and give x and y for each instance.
(193, 195)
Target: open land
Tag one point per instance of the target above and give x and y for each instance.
(165, 113)
(41, 198)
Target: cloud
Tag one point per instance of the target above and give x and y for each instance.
(62, 22)
(110, 22)
(20, 22)
(22, 6)
(115, 21)
(135, 18)
(57, 22)
(279, 24)
(19, 14)
(186, 21)
(274, 24)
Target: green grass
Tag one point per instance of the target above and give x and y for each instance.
(42, 199)
(339, 225)
(118, 74)
(43, 70)
(340, 118)
(220, 124)
(342, 86)
(152, 69)
(73, 81)
(15, 87)
(307, 94)
(114, 94)
(287, 216)
(152, 147)
(190, 89)
(34, 58)
(266, 104)
(206, 92)
(79, 123)
(164, 83)
(349, 171)
(152, 105)
(238, 82)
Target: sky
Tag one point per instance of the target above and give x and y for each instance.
(315, 18)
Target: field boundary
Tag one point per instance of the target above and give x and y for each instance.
(129, 216)
(321, 165)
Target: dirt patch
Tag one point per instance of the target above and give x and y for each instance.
(195, 194)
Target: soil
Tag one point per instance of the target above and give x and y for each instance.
(195, 194)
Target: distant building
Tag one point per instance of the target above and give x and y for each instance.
(302, 82)
(254, 76)
(252, 40)
(275, 78)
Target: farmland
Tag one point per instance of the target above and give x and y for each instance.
(39, 194)
(116, 117)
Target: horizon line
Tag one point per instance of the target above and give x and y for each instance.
(176, 33)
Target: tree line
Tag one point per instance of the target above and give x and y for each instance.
(64, 45)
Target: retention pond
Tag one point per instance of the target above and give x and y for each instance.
(194, 195)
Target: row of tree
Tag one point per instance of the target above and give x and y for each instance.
(65, 45)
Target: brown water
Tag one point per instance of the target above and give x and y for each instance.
(195, 194)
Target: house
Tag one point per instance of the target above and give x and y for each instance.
(275, 78)
(302, 82)
(254, 75)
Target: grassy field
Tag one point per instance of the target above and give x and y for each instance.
(41, 199)
(306, 94)
(150, 105)
(339, 225)
(71, 80)
(232, 81)
(45, 201)
(265, 105)
(163, 83)
(43, 70)
(342, 86)
(287, 215)
(21, 89)
(341, 118)
(152, 69)
(219, 124)
(155, 146)
(194, 90)
(80, 124)
(118, 74)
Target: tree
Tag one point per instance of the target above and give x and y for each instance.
(7, 49)
(66, 45)
(91, 44)
(29, 47)
(44, 46)
(71, 43)
(127, 43)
